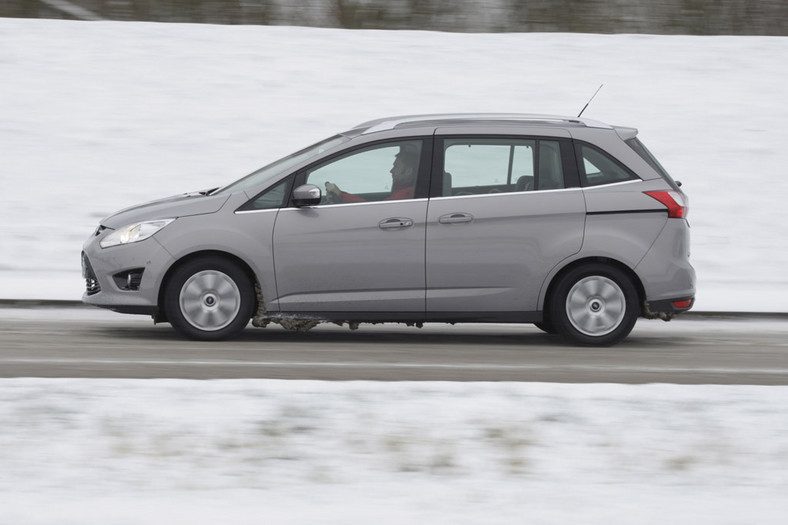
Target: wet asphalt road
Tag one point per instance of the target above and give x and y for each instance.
(52, 342)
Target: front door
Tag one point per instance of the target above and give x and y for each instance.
(362, 249)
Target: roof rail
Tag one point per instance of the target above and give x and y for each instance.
(389, 123)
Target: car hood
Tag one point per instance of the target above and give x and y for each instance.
(197, 203)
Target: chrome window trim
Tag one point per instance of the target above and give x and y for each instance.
(506, 194)
(244, 212)
(609, 184)
(344, 204)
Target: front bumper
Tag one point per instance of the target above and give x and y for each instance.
(124, 278)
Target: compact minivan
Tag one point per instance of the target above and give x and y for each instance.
(566, 223)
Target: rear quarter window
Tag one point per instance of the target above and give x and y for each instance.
(597, 167)
(652, 161)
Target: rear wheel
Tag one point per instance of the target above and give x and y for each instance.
(209, 298)
(594, 305)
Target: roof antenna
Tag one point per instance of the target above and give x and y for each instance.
(589, 100)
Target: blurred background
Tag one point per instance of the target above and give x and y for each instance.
(687, 17)
(101, 115)
(97, 116)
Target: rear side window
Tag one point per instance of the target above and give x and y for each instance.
(600, 168)
(479, 166)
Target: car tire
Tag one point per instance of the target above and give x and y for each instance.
(594, 305)
(209, 299)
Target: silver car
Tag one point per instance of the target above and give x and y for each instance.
(566, 223)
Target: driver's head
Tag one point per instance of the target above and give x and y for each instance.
(405, 165)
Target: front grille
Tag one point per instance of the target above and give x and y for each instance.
(92, 286)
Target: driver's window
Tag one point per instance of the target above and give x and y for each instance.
(382, 172)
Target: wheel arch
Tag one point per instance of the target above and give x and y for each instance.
(547, 293)
(161, 315)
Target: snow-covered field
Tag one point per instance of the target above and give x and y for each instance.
(301, 452)
(98, 116)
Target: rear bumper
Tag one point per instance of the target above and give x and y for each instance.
(667, 308)
(667, 276)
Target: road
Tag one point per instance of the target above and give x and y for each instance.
(51, 342)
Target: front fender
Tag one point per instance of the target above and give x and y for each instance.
(244, 236)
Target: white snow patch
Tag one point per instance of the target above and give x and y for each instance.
(292, 452)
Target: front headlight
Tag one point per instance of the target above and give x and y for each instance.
(134, 232)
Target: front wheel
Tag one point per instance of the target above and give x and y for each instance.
(594, 305)
(209, 299)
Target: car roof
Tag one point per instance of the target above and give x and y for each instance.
(466, 119)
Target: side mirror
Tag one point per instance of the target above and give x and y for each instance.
(307, 195)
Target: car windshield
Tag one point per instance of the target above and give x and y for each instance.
(281, 165)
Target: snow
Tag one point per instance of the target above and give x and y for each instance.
(97, 116)
(102, 115)
(293, 452)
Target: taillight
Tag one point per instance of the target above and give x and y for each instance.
(673, 200)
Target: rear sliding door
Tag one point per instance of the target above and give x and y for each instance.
(501, 216)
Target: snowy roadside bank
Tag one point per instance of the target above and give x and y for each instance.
(246, 451)
(98, 116)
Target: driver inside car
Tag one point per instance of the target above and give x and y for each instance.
(403, 179)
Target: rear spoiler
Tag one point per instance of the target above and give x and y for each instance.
(625, 133)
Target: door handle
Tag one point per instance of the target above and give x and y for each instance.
(454, 218)
(395, 223)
